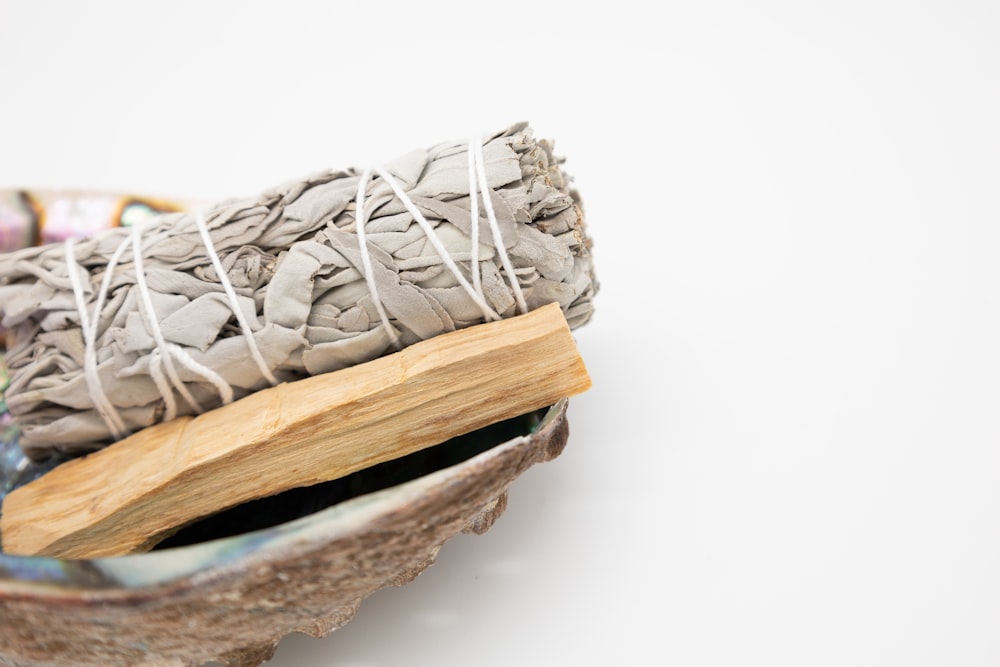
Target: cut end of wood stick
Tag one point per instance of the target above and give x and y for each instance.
(293, 435)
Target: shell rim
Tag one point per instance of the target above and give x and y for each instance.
(45, 578)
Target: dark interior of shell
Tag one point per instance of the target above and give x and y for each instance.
(232, 600)
(296, 503)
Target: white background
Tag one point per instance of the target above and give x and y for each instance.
(790, 455)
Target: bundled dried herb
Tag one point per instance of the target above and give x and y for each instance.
(294, 259)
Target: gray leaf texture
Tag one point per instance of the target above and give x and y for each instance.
(293, 257)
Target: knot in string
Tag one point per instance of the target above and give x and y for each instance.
(477, 184)
(166, 356)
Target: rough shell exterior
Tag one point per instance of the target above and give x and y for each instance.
(232, 600)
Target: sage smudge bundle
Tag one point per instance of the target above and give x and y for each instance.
(170, 335)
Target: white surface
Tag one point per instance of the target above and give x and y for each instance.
(790, 455)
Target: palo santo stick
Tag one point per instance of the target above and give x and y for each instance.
(128, 496)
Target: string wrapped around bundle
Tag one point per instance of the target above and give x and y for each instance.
(190, 311)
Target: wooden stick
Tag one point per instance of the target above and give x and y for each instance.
(130, 495)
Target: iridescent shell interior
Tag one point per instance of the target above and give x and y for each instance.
(228, 588)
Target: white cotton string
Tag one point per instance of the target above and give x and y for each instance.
(90, 333)
(474, 226)
(154, 325)
(199, 219)
(476, 147)
(102, 293)
(477, 183)
(161, 382)
(165, 353)
(432, 236)
(186, 360)
(102, 403)
(366, 261)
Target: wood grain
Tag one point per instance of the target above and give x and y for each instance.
(128, 496)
